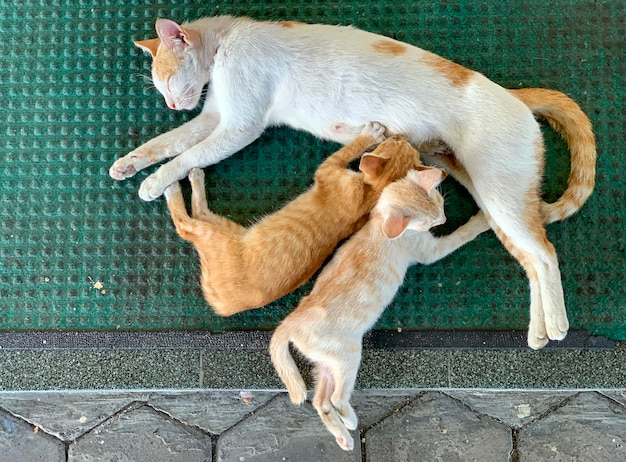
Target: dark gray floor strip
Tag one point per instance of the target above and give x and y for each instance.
(259, 340)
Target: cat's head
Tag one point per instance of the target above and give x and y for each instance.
(178, 64)
(412, 202)
(390, 161)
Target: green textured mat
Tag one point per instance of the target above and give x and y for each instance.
(75, 99)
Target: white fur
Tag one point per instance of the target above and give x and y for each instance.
(329, 81)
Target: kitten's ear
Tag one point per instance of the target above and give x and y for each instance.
(394, 225)
(372, 165)
(149, 46)
(171, 33)
(427, 178)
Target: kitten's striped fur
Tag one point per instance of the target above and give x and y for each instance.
(244, 268)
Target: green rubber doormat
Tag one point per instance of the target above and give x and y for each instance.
(79, 251)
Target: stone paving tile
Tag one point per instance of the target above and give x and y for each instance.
(212, 411)
(371, 406)
(436, 427)
(21, 442)
(67, 415)
(139, 435)
(279, 432)
(512, 407)
(588, 428)
(617, 395)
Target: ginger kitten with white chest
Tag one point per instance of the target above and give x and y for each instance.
(354, 288)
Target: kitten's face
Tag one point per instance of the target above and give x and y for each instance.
(413, 202)
(176, 64)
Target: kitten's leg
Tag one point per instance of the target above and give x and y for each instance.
(322, 404)
(372, 133)
(428, 250)
(176, 205)
(168, 144)
(345, 374)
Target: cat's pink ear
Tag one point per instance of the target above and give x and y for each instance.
(171, 33)
(394, 225)
(372, 165)
(149, 46)
(428, 178)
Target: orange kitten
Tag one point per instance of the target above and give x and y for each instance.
(356, 286)
(244, 268)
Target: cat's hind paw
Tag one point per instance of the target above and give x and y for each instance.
(375, 130)
(537, 336)
(172, 189)
(557, 326)
(196, 175)
(345, 442)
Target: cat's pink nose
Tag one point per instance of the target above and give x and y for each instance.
(172, 105)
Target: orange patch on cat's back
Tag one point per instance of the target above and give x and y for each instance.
(165, 64)
(389, 47)
(290, 24)
(455, 73)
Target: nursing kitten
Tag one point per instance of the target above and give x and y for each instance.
(244, 268)
(354, 289)
(331, 80)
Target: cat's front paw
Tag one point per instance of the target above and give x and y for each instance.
(151, 188)
(374, 130)
(196, 176)
(128, 165)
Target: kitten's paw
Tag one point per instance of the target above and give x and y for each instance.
(345, 442)
(151, 188)
(374, 130)
(128, 165)
(351, 421)
(171, 190)
(298, 396)
(196, 175)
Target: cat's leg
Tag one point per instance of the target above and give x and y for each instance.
(509, 193)
(325, 386)
(178, 211)
(345, 373)
(537, 335)
(372, 133)
(428, 248)
(167, 145)
(222, 143)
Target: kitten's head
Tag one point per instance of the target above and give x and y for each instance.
(177, 64)
(390, 161)
(412, 202)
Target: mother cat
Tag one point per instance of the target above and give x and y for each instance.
(331, 80)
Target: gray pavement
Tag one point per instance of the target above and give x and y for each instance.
(262, 425)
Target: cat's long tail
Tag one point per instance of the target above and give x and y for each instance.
(566, 117)
(285, 365)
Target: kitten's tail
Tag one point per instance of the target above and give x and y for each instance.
(285, 365)
(566, 117)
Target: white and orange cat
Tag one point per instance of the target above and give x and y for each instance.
(331, 80)
(354, 288)
(244, 268)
